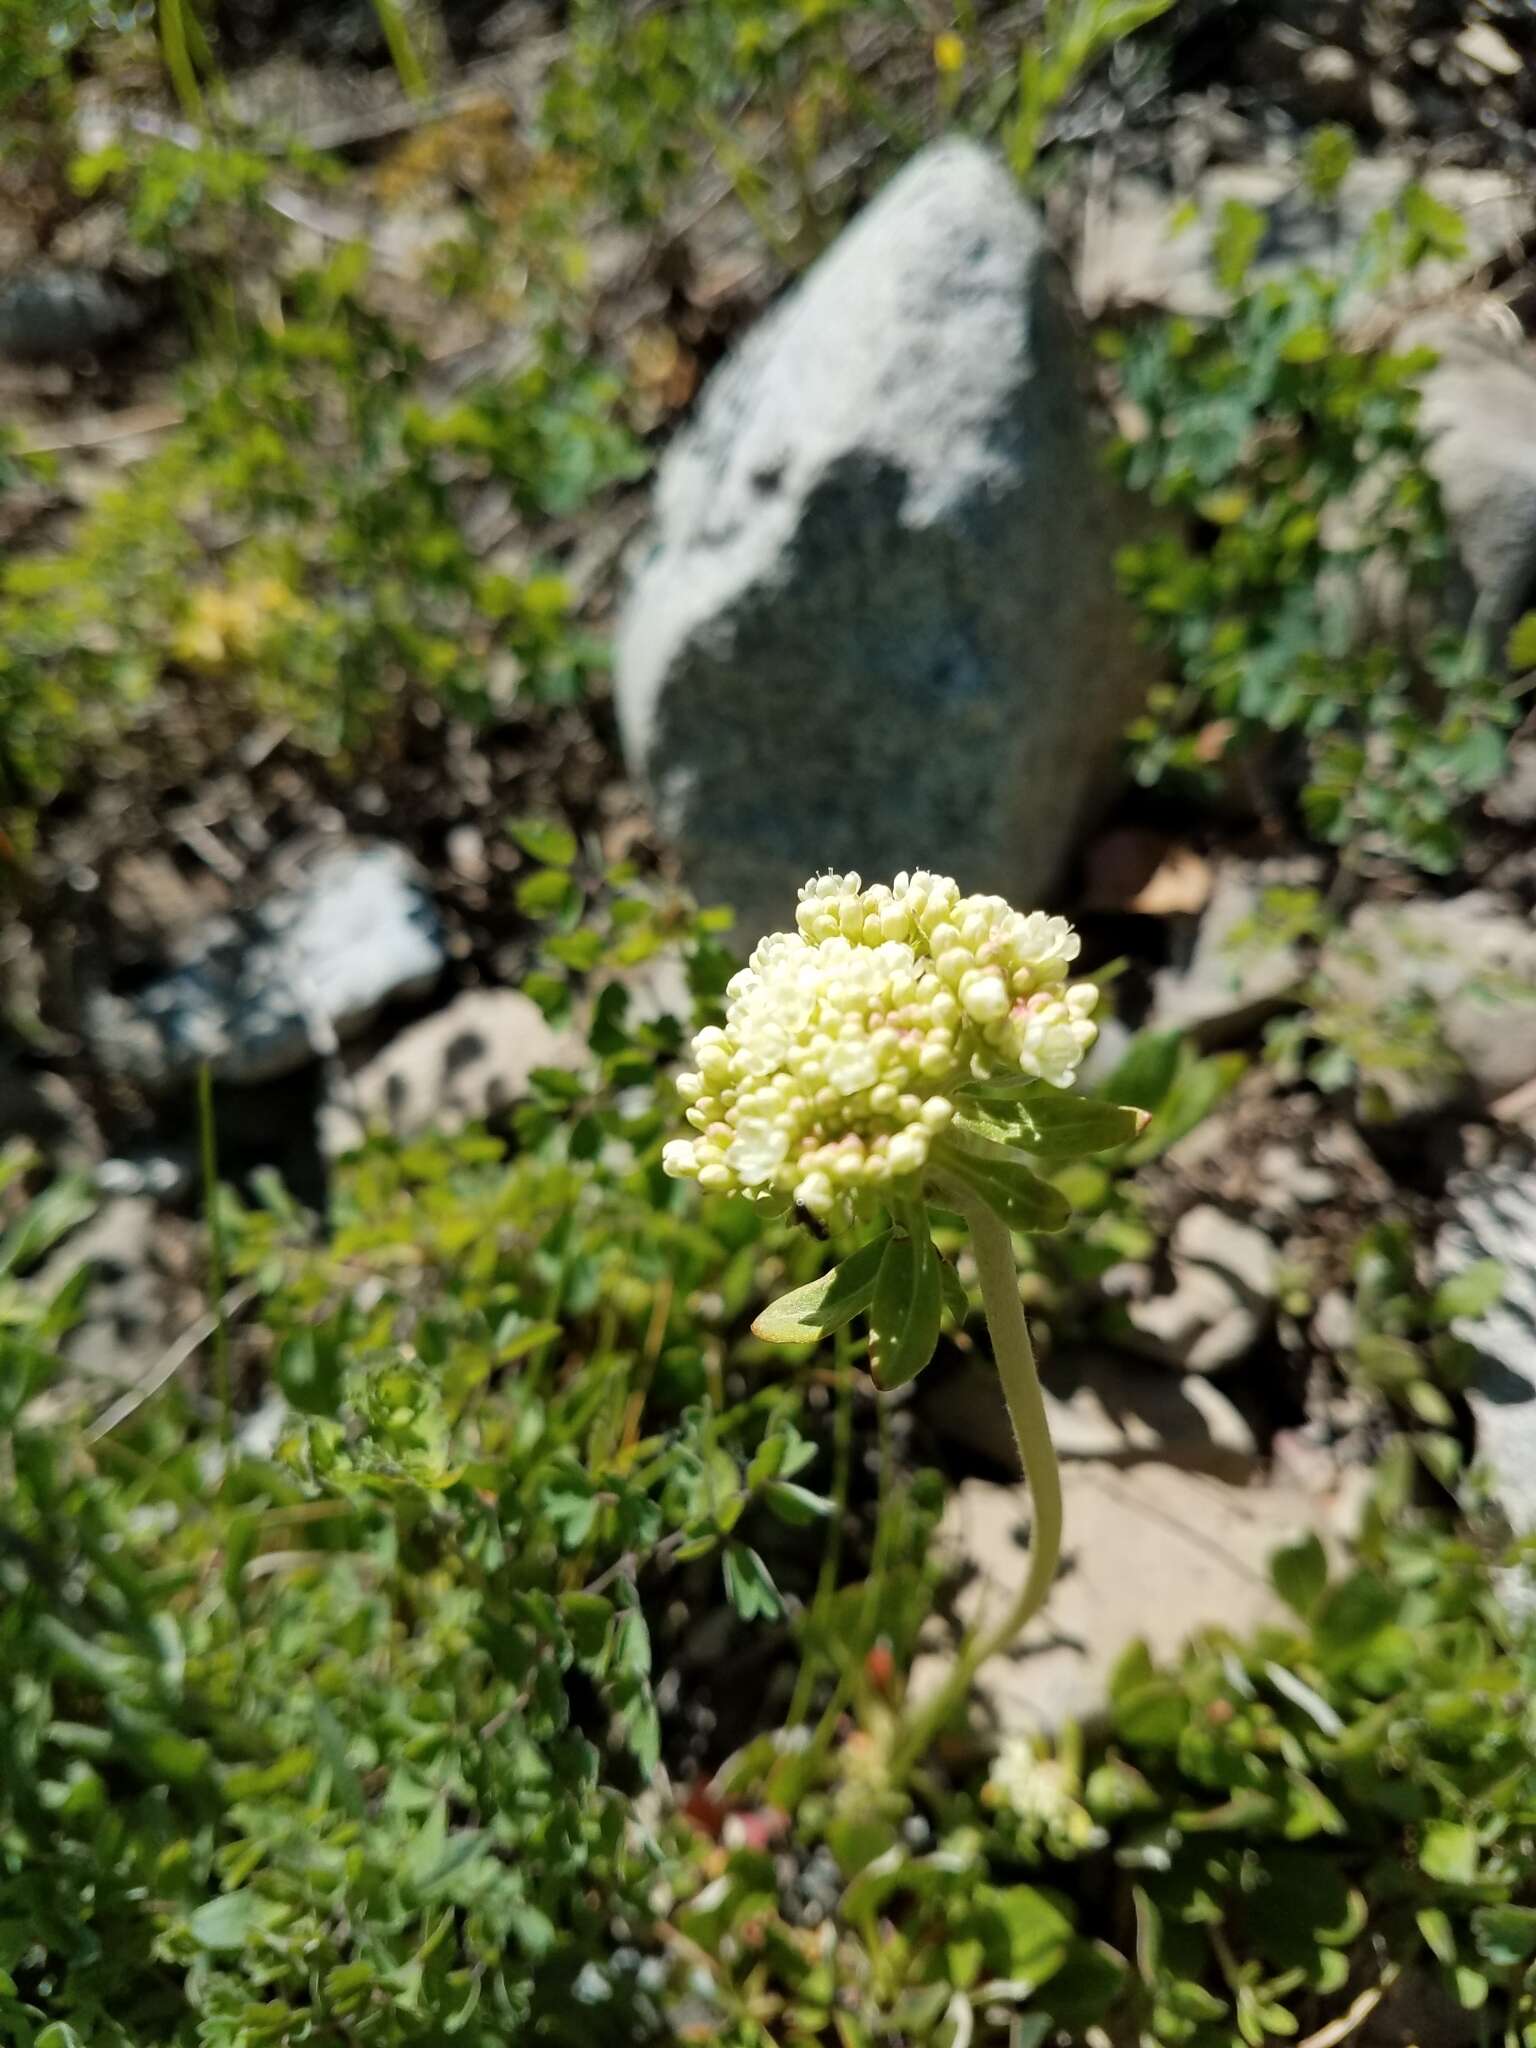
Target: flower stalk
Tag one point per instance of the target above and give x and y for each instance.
(907, 1043)
(1014, 1356)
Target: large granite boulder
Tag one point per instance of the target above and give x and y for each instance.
(876, 626)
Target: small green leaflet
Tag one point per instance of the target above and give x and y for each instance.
(908, 1305)
(1048, 1123)
(225, 1921)
(1002, 1177)
(748, 1585)
(824, 1305)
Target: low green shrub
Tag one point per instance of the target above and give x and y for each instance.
(337, 1729)
(1264, 1837)
(297, 551)
(1293, 449)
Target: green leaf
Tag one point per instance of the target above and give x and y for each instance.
(225, 1922)
(1299, 1572)
(1329, 152)
(907, 1308)
(1440, 227)
(1037, 1931)
(1520, 648)
(823, 1305)
(1449, 1852)
(796, 1505)
(549, 891)
(1239, 234)
(50, 1216)
(1471, 1987)
(545, 840)
(1351, 1614)
(1471, 1292)
(1046, 1122)
(1195, 1092)
(1005, 1182)
(586, 1616)
(1309, 344)
(748, 1585)
(1391, 1364)
(956, 1301)
(1505, 1935)
(1147, 1070)
(1435, 1926)
(1151, 1715)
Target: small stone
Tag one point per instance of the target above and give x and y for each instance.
(261, 996)
(1234, 975)
(1220, 1302)
(1513, 800)
(1100, 1405)
(51, 313)
(1493, 1216)
(463, 1064)
(1481, 44)
(1391, 108)
(1477, 413)
(1334, 1322)
(465, 847)
(1335, 80)
(123, 1322)
(1150, 1552)
(1472, 957)
(1289, 1183)
(1208, 1236)
(167, 1176)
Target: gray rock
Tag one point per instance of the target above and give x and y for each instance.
(1233, 976)
(1208, 1236)
(1335, 1325)
(875, 627)
(455, 1068)
(1100, 1406)
(1493, 1216)
(1474, 958)
(1151, 1552)
(260, 997)
(122, 1325)
(1477, 411)
(1288, 1181)
(1221, 1299)
(168, 1176)
(42, 1106)
(52, 311)
(1139, 248)
(1513, 800)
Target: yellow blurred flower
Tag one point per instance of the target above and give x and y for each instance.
(949, 53)
(225, 624)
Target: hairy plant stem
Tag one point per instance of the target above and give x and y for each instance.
(1015, 1359)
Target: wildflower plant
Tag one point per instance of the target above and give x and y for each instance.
(905, 1046)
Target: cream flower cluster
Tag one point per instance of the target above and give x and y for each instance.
(1043, 1792)
(844, 1040)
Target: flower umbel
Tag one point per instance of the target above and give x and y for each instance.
(846, 1041)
